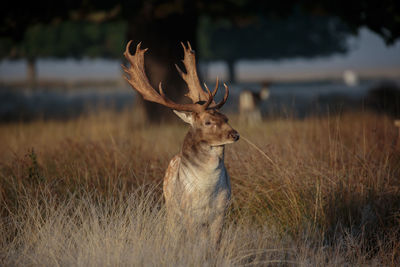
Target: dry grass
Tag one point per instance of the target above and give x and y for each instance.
(319, 191)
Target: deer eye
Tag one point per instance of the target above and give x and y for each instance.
(207, 123)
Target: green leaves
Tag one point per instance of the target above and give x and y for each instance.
(75, 39)
(298, 35)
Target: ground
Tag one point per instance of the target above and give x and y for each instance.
(88, 191)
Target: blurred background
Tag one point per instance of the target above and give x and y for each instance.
(60, 59)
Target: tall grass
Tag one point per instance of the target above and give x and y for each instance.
(130, 231)
(318, 191)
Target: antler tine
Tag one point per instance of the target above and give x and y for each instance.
(183, 45)
(139, 81)
(216, 86)
(215, 89)
(210, 98)
(220, 104)
(181, 73)
(189, 46)
(195, 93)
(161, 90)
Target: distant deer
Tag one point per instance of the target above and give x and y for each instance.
(196, 185)
(249, 105)
(397, 124)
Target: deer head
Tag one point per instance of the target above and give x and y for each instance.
(208, 124)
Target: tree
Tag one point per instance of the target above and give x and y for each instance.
(299, 35)
(75, 39)
(161, 27)
(162, 24)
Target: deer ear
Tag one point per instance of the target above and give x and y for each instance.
(185, 116)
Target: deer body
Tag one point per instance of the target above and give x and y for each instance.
(198, 192)
(196, 185)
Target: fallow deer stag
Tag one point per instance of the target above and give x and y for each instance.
(196, 184)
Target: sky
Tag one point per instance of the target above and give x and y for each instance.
(369, 56)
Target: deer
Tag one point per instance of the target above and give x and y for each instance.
(249, 105)
(196, 185)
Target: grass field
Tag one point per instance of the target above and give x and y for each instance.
(87, 192)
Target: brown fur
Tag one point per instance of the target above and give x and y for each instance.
(196, 184)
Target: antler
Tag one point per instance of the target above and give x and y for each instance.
(196, 93)
(139, 81)
(220, 104)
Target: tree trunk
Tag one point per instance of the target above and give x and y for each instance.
(31, 74)
(162, 34)
(231, 71)
(204, 71)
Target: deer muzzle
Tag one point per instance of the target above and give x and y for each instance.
(234, 135)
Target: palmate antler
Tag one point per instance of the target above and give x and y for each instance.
(139, 81)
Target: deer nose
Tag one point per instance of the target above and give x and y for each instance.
(234, 135)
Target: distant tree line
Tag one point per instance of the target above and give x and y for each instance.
(299, 35)
(233, 29)
(67, 39)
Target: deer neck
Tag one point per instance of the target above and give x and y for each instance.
(201, 163)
